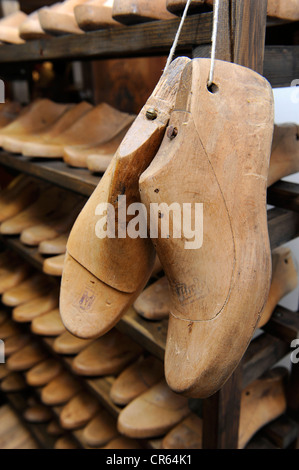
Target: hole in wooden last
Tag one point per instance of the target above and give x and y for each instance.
(213, 88)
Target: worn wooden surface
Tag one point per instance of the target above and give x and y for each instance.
(56, 171)
(262, 354)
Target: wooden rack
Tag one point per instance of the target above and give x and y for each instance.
(242, 33)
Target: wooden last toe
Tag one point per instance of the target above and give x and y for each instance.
(48, 324)
(136, 379)
(100, 430)
(284, 280)
(154, 302)
(79, 411)
(43, 373)
(107, 355)
(95, 14)
(153, 413)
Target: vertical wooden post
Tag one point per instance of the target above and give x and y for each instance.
(221, 413)
(241, 39)
(248, 31)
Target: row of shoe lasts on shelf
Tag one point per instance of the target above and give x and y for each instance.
(42, 216)
(87, 136)
(148, 409)
(82, 134)
(78, 16)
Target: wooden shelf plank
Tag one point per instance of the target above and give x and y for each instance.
(54, 171)
(283, 226)
(142, 39)
(284, 195)
(28, 253)
(284, 324)
(38, 431)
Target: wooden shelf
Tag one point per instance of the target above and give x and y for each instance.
(29, 254)
(55, 171)
(150, 38)
(38, 431)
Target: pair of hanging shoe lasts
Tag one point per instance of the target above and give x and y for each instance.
(77, 16)
(82, 134)
(189, 144)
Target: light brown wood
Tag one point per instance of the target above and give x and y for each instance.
(285, 152)
(33, 287)
(262, 401)
(21, 192)
(135, 380)
(54, 265)
(122, 443)
(60, 19)
(31, 28)
(231, 156)
(98, 163)
(95, 14)
(55, 246)
(13, 274)
(288, 10)
(49, 200)
(79, 411)
(61, 221)
(77, 155)
(100, 430)
(284, 280)
(60, 390)
(13, 435)
(25, 358)
(69, 344)
(101, 125)
(48, 324)
(37, 414)
(30, 310)
(154, 302)
(9, 27)
(107, 355)
(13, 383)
(43, 373)
(54, 428)
(16, 342)
(35, 118)
(139, 11)
(93, 306)
(96, 126)
(99, 158)
(29, 145)
(65, 442)
(153, 413)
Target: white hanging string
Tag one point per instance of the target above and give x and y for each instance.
(176, 39)
(214, 40)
